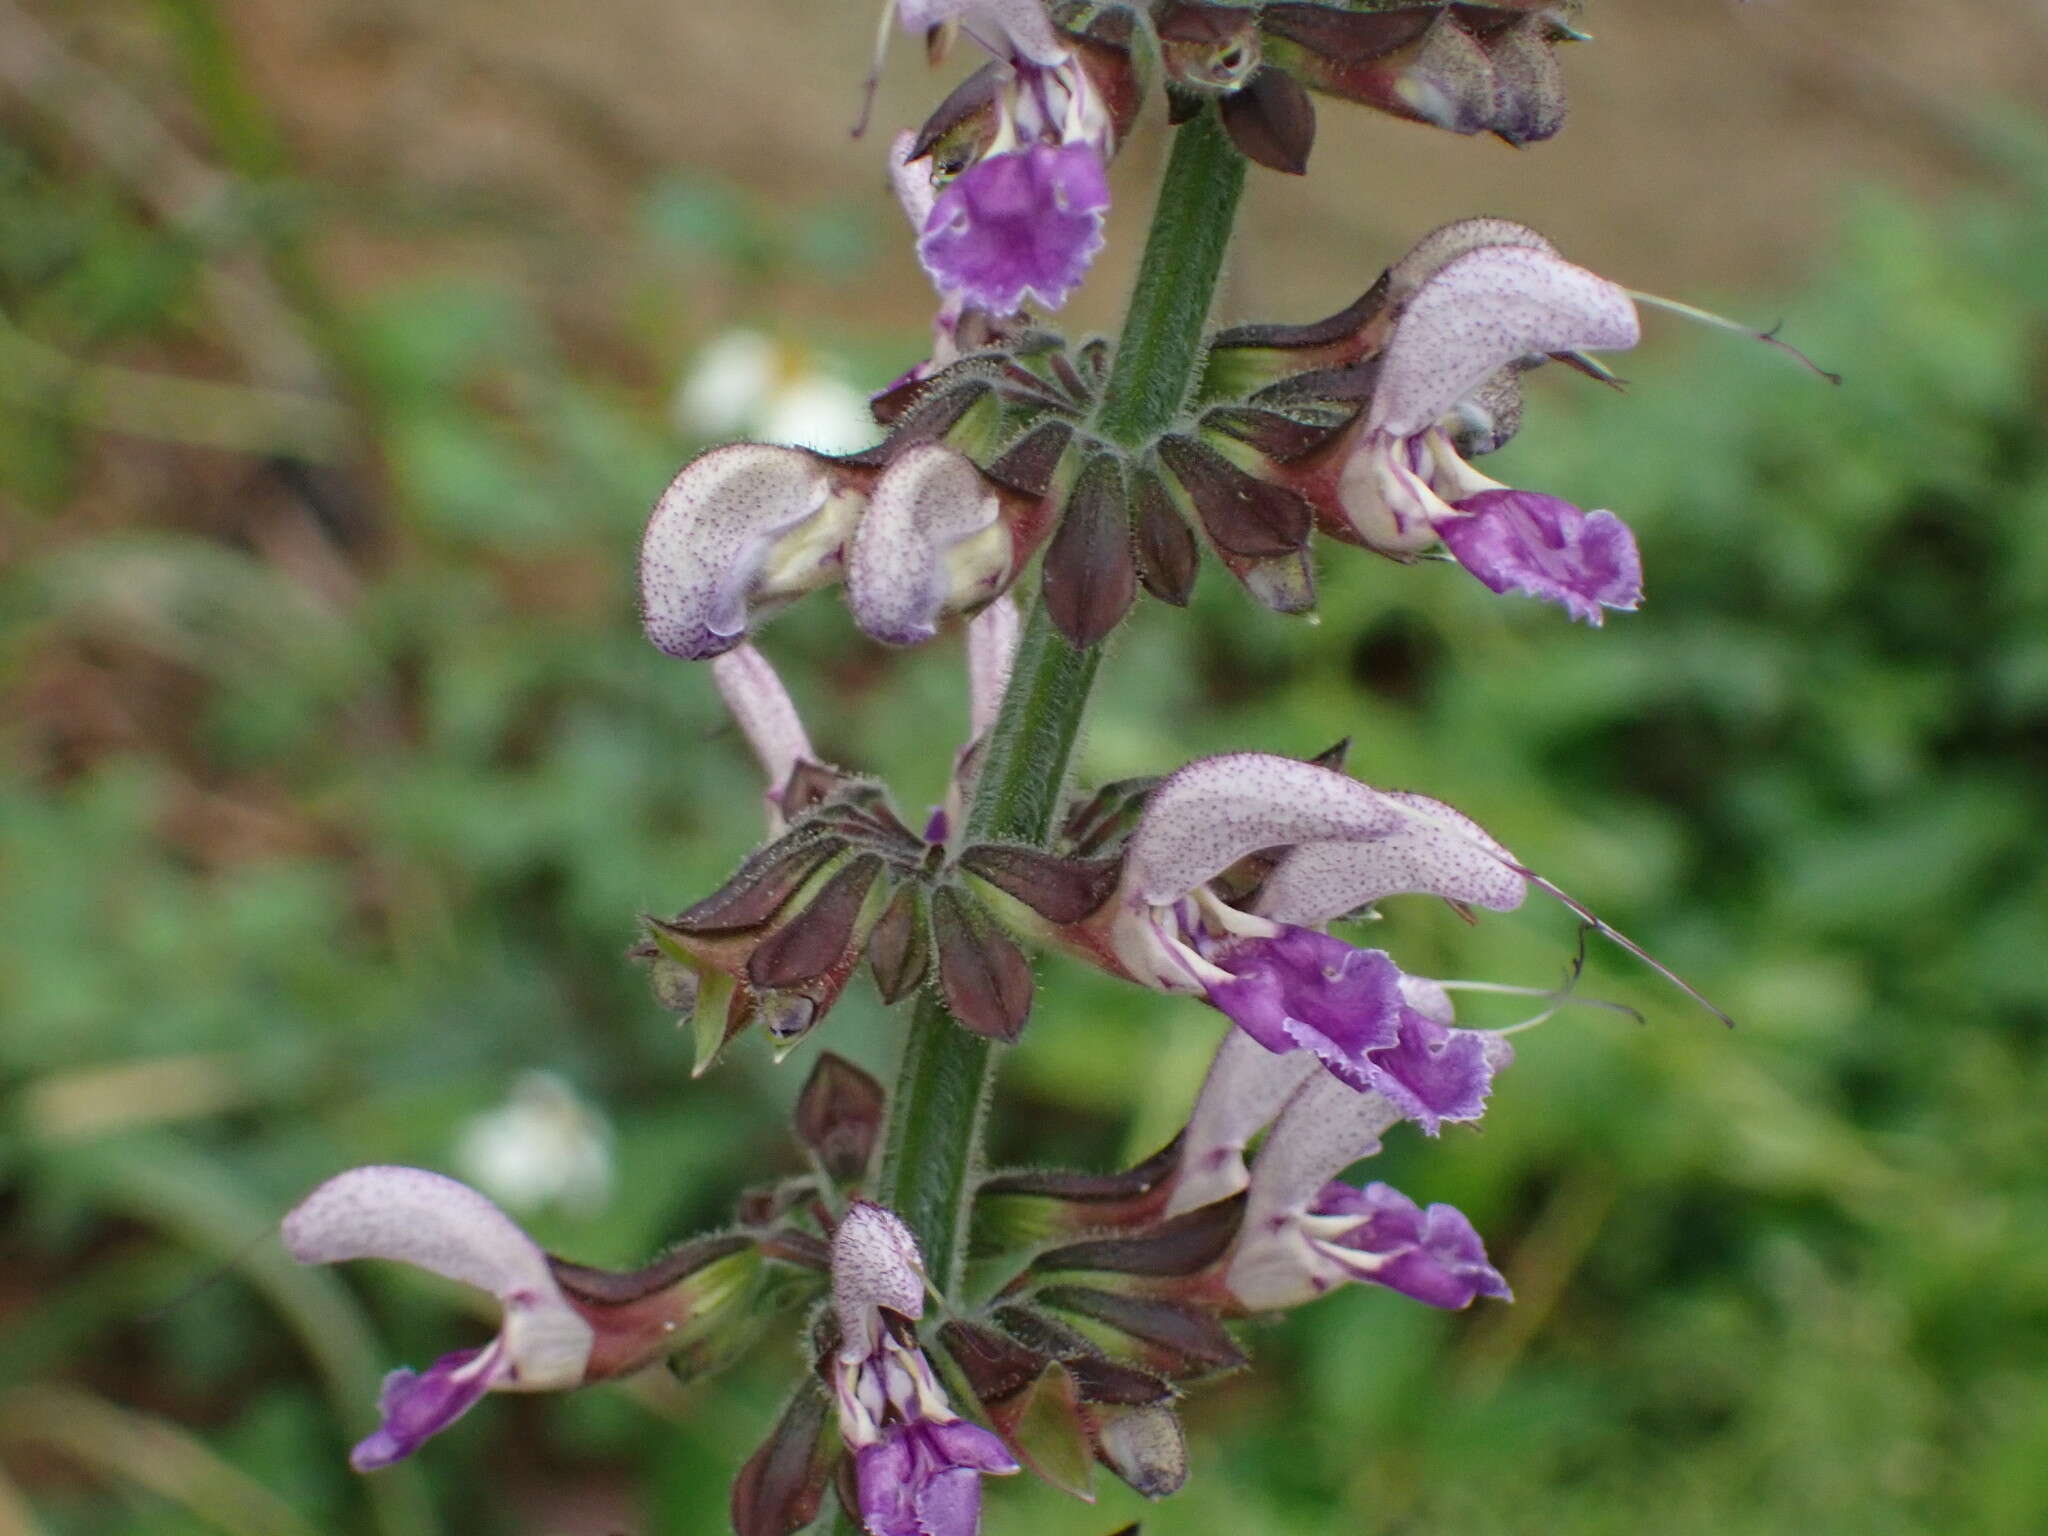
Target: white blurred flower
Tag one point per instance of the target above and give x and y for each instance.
(543, 1146)
(746, 384)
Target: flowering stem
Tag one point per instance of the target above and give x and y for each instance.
(933, 1155)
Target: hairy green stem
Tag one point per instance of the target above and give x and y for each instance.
(933, 1155)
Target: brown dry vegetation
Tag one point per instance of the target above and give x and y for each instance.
(1709, 143)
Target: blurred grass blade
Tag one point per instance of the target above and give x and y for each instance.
(16, 1518)
(149, 1452)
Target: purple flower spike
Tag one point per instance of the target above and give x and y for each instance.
(1018, 226)
(1303, 1234)
(1433, 1256)
(1523, 541)
(1302, 990)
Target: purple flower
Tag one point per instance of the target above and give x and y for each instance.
(1474, 303)
(1303, 1234)
(1018, 228)
(1016, 216)
(1433, 1072)
(1334, 846)
(932, 541)
(447, 1228)
(564, 1325)
(924, 1479)
(917, 1464)
(1303, 990)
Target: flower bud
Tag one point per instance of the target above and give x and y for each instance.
(779, 942)
(936, 540)
(983, 975)
(1167, 556)
(1272, 121)
(1182, 1339)
(740, 530)
(1260, 530)
(1145, 1447)
(839, 1116)
(1029, 1207)
(1090, 574)
(782, 1486)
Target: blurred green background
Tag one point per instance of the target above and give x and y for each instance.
(338, 348)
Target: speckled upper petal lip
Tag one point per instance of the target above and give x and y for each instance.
(1480, 311)
(875, 1264)
(1208, 815)
(1432, 850)
(420, 1218)
(928, 504)
(711, 535)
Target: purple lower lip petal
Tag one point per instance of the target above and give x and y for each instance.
(1305, 990)
(1434, 1073)
(1523, 541)
(1434, 1256)
(1018, 227)
(417, 1405)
